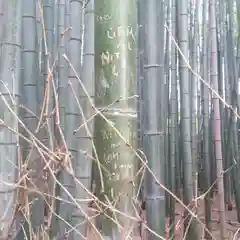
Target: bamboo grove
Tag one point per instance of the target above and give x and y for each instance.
(116, 113)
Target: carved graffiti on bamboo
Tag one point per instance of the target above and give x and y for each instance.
(110, 58)
(111, 156)
(104, 18)
(121, 32)
(110, 134)
(117, 156)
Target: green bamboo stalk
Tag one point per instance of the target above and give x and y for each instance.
(190, 226)
(174, 121)
(194, 85)
(61, 99)
(115, 46)
(217, 119)
(206, 128)
(40, 83)
(10, 94)
(47, 46)
(72, 115)
(234, 101)
(178, 143)
(194, 101)
(2, 20)
(221, 62)
(30, 77)
(228, 152)
(166, 106)
(47, 133)
(140, 92)
(62, 70)
(155, 126)
(83, 167)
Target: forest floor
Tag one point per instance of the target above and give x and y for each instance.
(232, 225)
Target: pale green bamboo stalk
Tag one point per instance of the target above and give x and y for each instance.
(10, 94)
(115, 46)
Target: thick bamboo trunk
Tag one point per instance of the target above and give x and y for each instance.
(217, 119)
(9, 110)
(115, 46)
